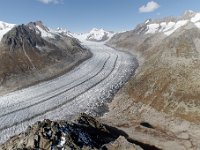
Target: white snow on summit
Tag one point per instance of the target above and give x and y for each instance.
(168, 27)
(95, 35)
(45, 33)
(62, 31)
(164, 27)
(196, 18)
(98, 35)
(175, 27)
(4, 28)
(80, 36)
(152, 28)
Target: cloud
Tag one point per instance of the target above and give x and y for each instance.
(149, 7)
(51, 1)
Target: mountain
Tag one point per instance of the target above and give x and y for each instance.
(169, 25)
(155, 30)
(95, 35)
(98, 35)
(165, 89)
(31, 53)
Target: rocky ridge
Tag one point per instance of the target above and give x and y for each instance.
(83, 132)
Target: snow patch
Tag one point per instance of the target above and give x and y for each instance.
(166, 28)
(81, 36)
(146, 22)
(169, 26)
(62, 142)
(61, 31)
(4, 28)
(176, 26)
(45, 33)
(195, 18)
(197, 25)
(162, 26)
(152, 28)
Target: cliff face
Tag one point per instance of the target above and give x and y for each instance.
(32, 49)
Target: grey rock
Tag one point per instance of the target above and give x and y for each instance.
(83, 132)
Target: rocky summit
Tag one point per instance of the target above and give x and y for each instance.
(83, 132)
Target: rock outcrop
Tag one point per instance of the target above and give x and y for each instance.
(84, 132)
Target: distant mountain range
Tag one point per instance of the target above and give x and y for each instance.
(169, 25)
(95, 35)
(153, 33)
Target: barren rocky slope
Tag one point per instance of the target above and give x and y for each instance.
(32, 53)
(165, 90)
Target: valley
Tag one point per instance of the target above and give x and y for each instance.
(142, 84)
(84, 89)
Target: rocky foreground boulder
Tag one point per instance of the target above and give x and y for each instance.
(84, 132)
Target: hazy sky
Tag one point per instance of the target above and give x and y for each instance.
(82, 15)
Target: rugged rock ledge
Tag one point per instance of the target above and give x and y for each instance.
(83, 132)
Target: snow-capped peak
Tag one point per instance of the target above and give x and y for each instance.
(98, 35)
(4, 28)
(196, 18)
(62, 31)
(170, 24)
(94, 35)
(46, 32)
